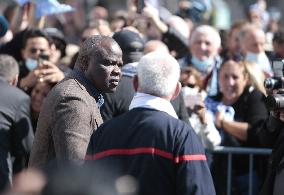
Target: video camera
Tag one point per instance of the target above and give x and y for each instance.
(275, 101)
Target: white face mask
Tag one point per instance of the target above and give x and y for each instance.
(31, 64)
(253, 57)
(260, 59)
(202, 66)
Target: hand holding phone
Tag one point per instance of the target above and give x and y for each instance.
(42, 57)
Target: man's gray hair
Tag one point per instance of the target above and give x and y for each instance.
(9, 67)
(208, 30)
(158, 74)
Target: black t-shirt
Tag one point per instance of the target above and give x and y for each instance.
(250, 108)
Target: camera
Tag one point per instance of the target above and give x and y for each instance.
(275, 101)
(275, 82)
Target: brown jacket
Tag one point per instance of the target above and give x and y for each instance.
(66, 122)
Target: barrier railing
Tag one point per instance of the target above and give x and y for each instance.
(230, 151)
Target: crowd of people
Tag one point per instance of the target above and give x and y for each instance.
(134, 102)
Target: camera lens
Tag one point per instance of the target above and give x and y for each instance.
(275, 101)
(273, 83)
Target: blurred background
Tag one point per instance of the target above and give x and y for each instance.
(219, 13)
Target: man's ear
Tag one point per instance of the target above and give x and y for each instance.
(177, 91)
(14, 81)
(135, 83)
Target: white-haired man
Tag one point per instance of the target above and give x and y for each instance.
(149, 143)
(204, 46)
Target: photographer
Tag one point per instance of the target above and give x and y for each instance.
(272, 135)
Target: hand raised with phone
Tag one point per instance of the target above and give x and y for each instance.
(49, 72)
(41, 70)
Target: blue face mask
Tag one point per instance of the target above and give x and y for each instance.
(31, 64)
(202, 66)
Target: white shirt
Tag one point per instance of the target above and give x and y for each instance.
(149, 101)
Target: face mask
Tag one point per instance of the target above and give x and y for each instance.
(202, 66)
(260, 59)
(31, 64)
(253, 57)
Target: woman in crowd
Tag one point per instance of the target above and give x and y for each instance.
(249, 113)
(38, 95)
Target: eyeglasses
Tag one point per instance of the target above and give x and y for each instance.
(34, 50)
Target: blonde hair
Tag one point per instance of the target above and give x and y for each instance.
(256, 76)
(253, 73)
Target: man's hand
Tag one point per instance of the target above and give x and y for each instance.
(50, 72)
(46, 71)
(153, 14)
(200, 110)
(30, 80)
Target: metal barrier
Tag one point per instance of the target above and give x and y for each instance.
(238, 150)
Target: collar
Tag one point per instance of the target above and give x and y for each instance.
(79, 75)
(153, 102)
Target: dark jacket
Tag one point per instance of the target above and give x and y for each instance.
(16, 133)
(162, 153)
(250, 108)
(272, 136)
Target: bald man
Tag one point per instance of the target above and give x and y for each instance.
(252, 41)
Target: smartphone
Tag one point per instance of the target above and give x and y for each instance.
(42, 57)
(191, 101)
(140, 6)
(278, 68)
